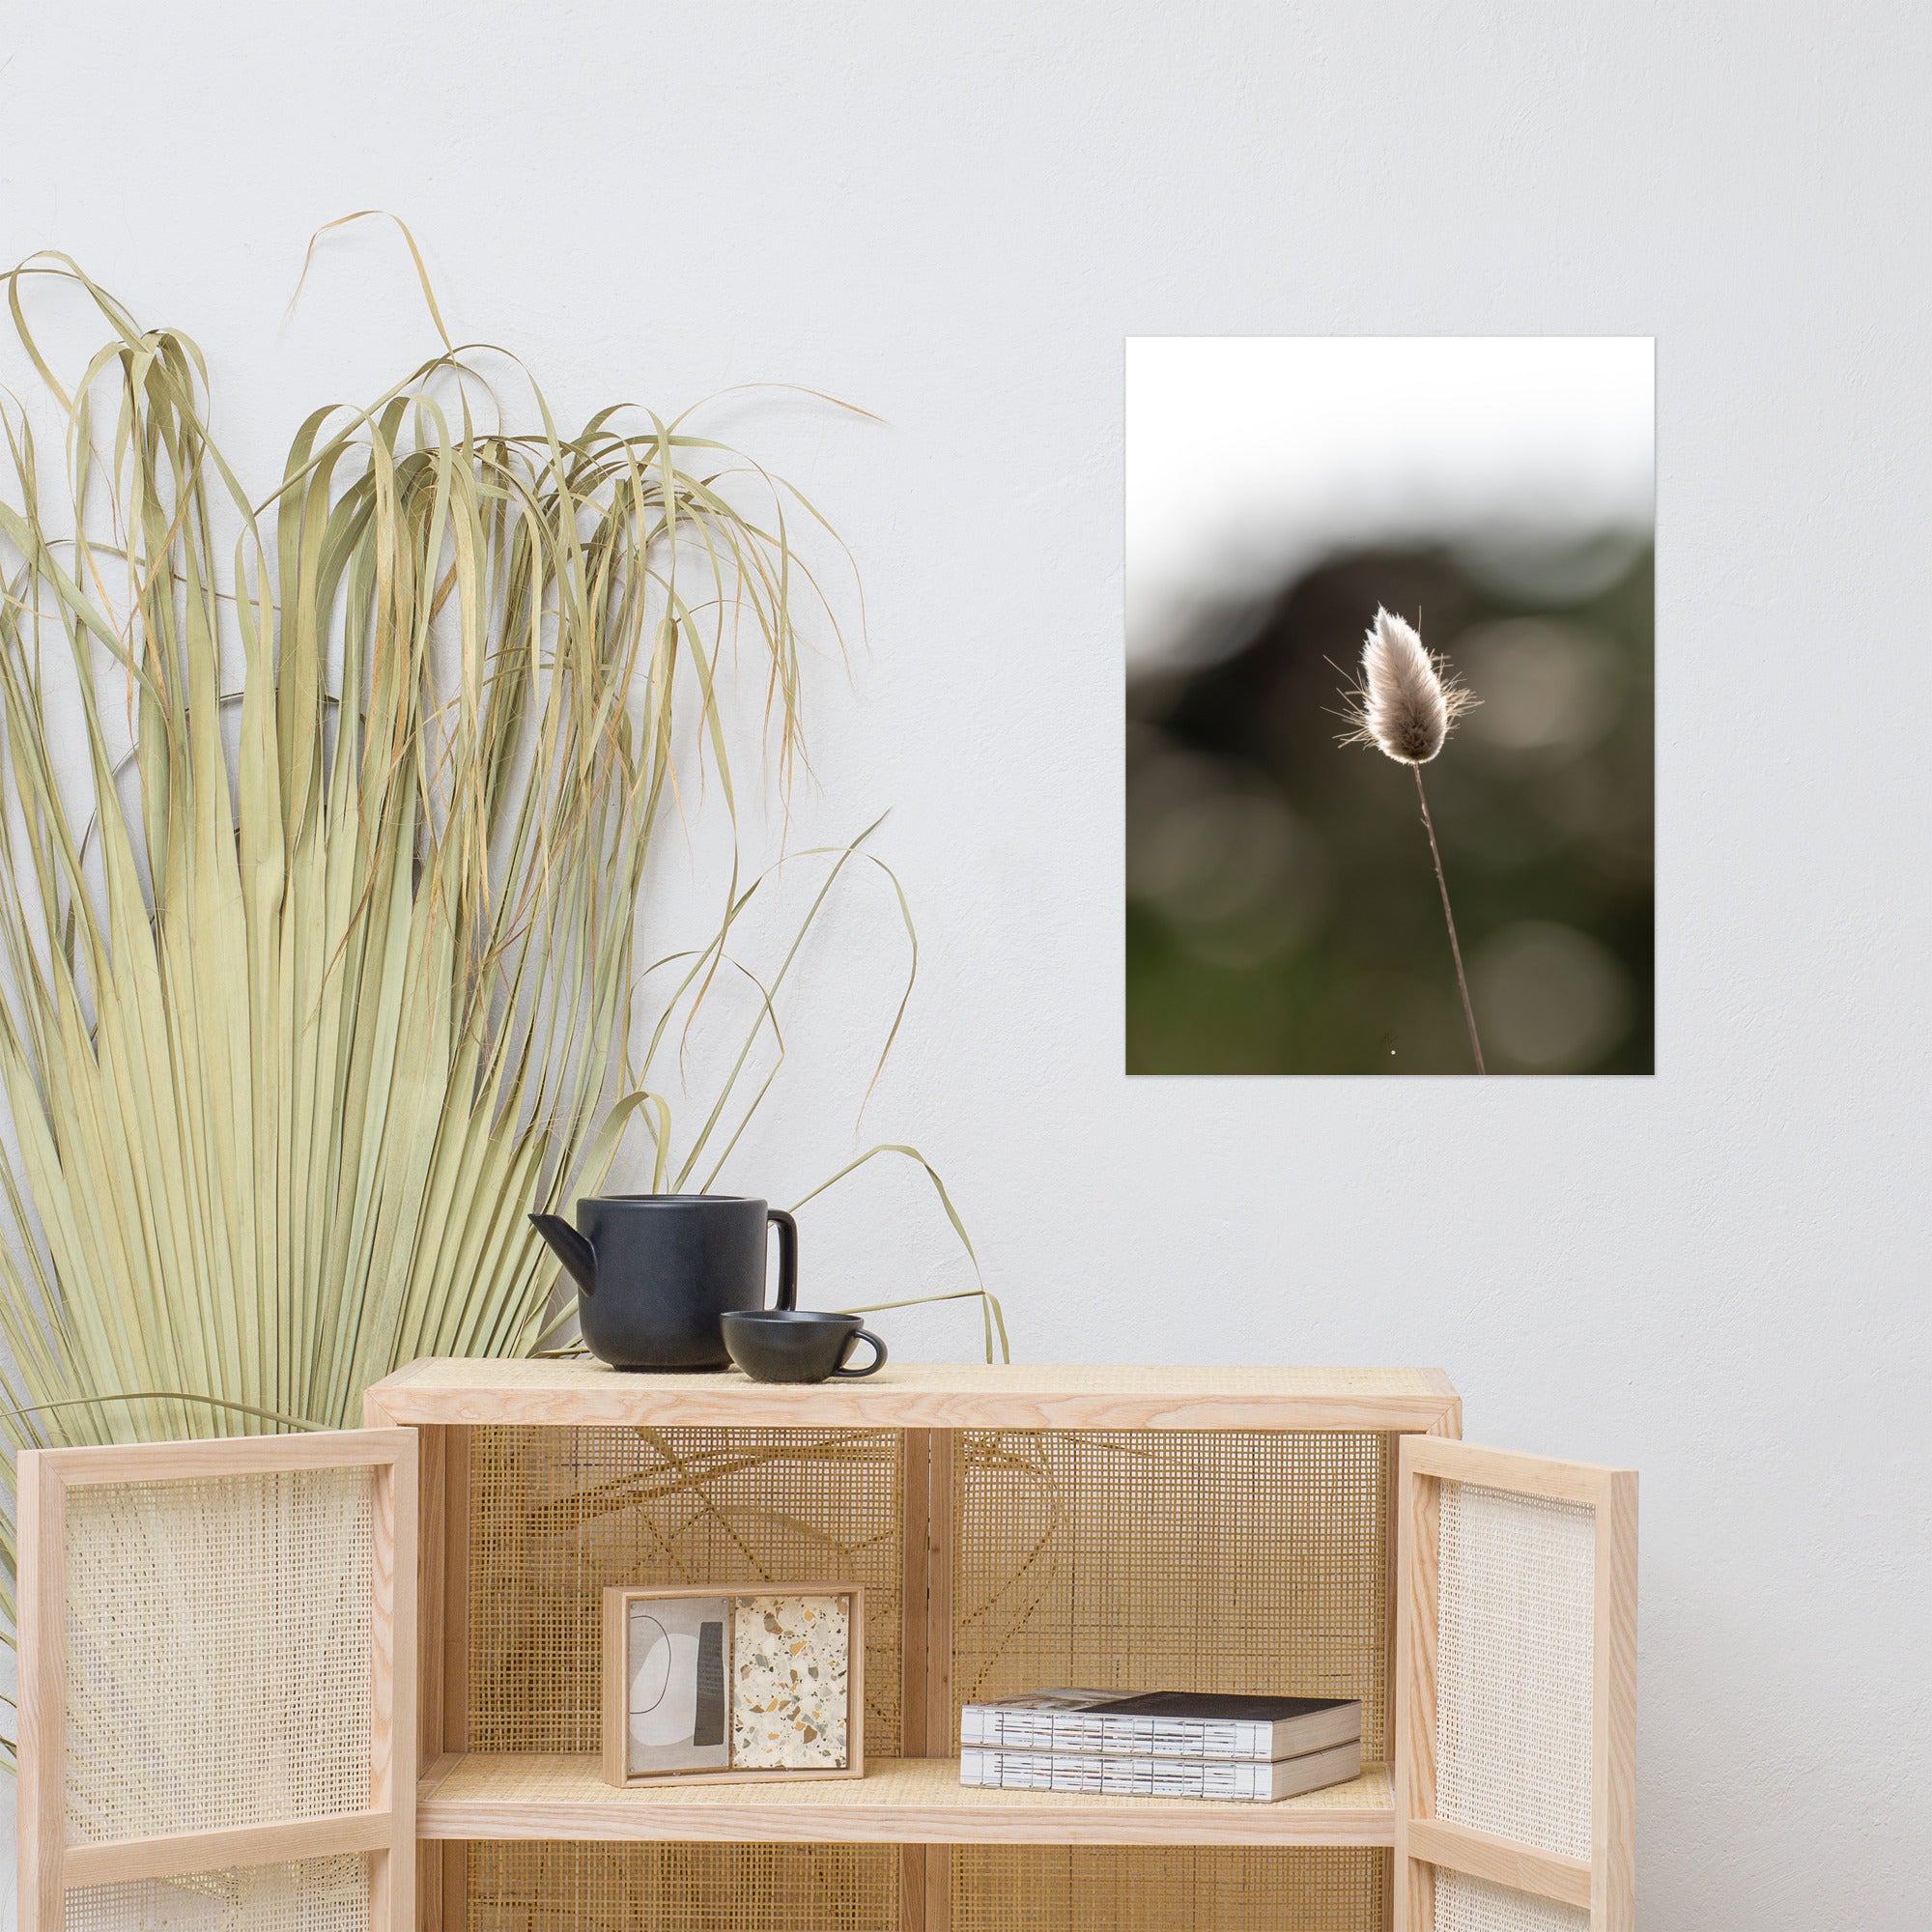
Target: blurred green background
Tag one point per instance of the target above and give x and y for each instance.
(1282, 908)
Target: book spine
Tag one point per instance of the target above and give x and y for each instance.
(1116, 1776)
(1013, 1729)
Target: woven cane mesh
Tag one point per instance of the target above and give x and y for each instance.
(1117, 1889)
(313, 1895)
(538, 1887)
(1466, 1904)
(1514, 1666)
(217, 1652)
(1241, 1561)
(559, 1514)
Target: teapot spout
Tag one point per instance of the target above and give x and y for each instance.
(570, 1248)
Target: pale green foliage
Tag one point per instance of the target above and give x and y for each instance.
(297, 1027)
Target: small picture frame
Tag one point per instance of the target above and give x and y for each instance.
(753, 1684)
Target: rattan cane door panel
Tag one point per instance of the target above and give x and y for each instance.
(1466, 1904)
(203, 1691)
(310, 1895)
(217, 1701)
(1516, 1694)
(1514, 1651)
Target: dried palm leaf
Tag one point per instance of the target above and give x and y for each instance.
(319, 973)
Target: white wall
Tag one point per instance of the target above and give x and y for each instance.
(955, 218)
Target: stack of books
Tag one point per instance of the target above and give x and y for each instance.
(1164, 1744)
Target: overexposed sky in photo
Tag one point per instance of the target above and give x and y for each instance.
(1249, 456)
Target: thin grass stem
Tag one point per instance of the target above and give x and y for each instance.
(1435, 853)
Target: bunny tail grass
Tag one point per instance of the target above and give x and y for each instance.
(1404, 706)
(1406, 701)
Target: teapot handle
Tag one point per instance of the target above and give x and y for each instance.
(787, 1257)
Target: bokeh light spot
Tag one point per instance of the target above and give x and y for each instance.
(1548, 999)
(1545, 687)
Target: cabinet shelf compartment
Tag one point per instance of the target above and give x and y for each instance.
(1207, 1528)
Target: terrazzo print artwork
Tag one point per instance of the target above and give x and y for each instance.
(790, 1656)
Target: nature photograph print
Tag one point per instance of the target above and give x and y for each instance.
(1390, 619)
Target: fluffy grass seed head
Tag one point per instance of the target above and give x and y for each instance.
(1406, 699)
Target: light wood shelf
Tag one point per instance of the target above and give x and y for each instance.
(899, 1802)
(586, 1393)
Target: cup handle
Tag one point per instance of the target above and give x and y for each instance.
(872, 1367)
(787, 1256)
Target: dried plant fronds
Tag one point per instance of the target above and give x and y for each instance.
(317, 962)
(1407, 700)
(286, 1072)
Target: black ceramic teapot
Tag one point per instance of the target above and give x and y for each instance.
(655, 1273)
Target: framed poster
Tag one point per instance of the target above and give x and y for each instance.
(1389, 705)
(764, 1683)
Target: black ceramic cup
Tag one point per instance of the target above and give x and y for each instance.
(789, 1345)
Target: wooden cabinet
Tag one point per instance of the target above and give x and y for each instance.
(1319, 1530)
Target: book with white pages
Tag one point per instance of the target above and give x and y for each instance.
(1228, 1780)
(1161, 1724)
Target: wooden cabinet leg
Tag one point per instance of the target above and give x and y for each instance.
(912, 1889)
(938, 1888)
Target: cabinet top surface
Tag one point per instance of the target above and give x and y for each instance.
(922, 1396)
